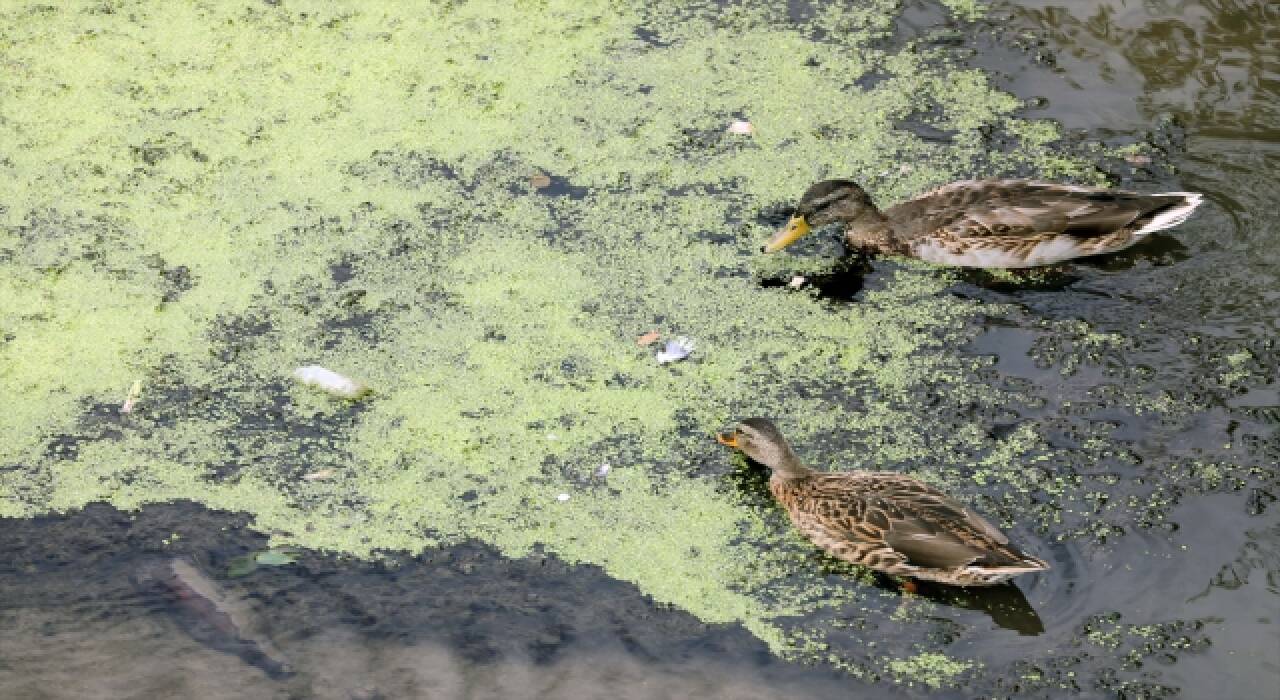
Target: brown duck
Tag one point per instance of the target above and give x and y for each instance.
(989, 223)
(881, 520)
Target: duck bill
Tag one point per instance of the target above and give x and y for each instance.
(727, 439)
(787, 235)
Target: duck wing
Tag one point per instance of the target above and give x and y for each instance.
(1023, 209)
(916, 520)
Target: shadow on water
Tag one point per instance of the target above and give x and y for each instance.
(87, 596)
(842, 282)
(1006, 605)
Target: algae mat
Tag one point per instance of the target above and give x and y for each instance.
(205, 196)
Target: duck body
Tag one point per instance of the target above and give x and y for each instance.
(884, 521)
(901, 526)
(991, 223)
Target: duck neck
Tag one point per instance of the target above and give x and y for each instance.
(870, 231)
(790, 467)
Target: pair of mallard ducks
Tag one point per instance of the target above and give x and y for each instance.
(890, 522)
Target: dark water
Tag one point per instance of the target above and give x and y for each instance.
(463, 622)
(1199, 81)
(1167, 583)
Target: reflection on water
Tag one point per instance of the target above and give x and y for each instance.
(1124, 63)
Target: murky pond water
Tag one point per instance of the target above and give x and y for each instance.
(274, 186)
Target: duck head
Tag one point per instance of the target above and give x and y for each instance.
(759, 439)
(823, 203)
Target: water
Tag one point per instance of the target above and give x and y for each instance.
(464, 622)
(1202, 78)
(1163, 413)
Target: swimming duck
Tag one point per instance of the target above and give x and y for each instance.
(882, 520)
(989, 223)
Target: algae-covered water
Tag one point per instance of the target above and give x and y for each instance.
(476, 208)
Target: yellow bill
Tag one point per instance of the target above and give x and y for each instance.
(787, 235)
(728, 439)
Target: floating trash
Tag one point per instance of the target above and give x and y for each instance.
(602, 471)
(330, 381)
(315, 476)
(275, 557)
(675, 350)
(562, 497)
(797, 282)
(243, 566)
(135, 392)
(742, 127)
(553, 437)
(539, 180)
(648, 338)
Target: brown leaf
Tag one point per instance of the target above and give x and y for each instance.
(648, 338)
(540, 180)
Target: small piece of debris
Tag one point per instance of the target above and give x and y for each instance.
(675, 350)
(315, 476)
(539, 180)
(797, 282)
(552, 436)
(1138, 159)
(247, 564)
(648, 338)
(275, 557)
(742, 127)
(562, 497)
(135, 392)
(330, 381)
(602, 471)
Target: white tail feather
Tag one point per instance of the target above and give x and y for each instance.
(1173, 215)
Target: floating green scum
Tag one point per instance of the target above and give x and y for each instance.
(203, 197)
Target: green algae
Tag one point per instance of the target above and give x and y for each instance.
(930, 669)
(346, 185)
(966, 9)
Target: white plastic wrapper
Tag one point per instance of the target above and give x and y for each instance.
(675, 350)
(330, 381)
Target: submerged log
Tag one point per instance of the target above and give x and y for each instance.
(210, 615)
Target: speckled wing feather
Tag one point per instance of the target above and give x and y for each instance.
(861, 545)
(1011, 208)
(1018, 223)
(911, 518)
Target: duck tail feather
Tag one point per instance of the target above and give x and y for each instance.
(1174, 214)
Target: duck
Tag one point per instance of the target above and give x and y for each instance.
(885, 521)
(989, 223)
